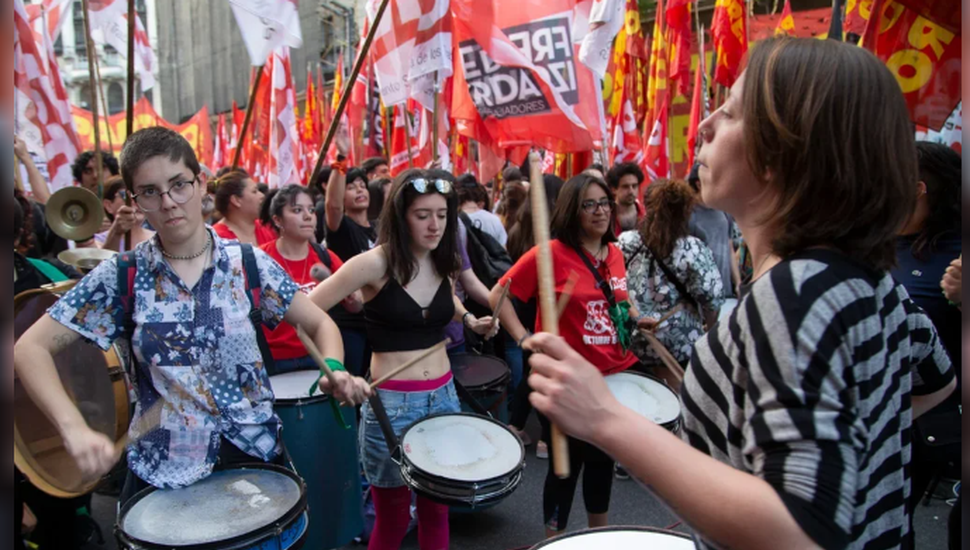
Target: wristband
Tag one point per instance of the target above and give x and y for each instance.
(525, 336)
(466, 314)
(335, 366)
(339, 166)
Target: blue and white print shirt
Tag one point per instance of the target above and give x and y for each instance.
(196, 350)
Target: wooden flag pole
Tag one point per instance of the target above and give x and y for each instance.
(348, 86)
(388, 124)
(434, 124)
(407, 135)
(249, 117)
(130, 111)
(104, 105)
(547, 292)
(93, 82)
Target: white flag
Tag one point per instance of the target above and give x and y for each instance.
(109, 25)
(267, 25)
(606, 18)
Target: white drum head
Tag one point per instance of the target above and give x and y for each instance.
(621, 540)
(646, 396)
(294, 385)
(462, 448)
(225, 505)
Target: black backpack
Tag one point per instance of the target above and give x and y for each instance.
(489, 259)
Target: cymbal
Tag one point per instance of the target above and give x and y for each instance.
(85, 259)
(74, 213)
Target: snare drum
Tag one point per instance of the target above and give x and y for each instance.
(325, 455)
(93, 379)
(648, 396)
(250, 508)
(486, 379)
(461, 460)
(620, 538)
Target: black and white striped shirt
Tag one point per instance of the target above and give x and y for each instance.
(808, 387)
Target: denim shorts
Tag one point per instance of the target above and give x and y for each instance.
(403, 409)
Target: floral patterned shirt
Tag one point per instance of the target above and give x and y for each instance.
(654, 295)
(195, 349)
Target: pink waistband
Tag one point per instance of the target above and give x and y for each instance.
(416, 385)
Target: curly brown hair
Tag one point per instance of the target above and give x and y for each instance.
(668, 204)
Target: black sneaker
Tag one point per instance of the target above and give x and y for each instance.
(621, 472)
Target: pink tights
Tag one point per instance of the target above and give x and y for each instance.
(393, 508)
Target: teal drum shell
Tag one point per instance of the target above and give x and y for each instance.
(487, 380)
(324, 454)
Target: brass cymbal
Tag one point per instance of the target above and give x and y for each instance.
(74, 213)
(85, 259)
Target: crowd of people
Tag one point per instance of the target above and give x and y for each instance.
(805, 276)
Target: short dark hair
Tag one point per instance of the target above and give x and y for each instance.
(623, 169)
(467, 180)
(278, 199)
(598, 167)
(475, 193)
(156, 141)
(521, 237)
(318, 180)
(111, 187)
(355, 174)
(372, 164)
(108, 162)
(810, 109)
(939, 169)
(565, 224)
(232, 184)
(395, 233)
(511, 174)
(226, 169)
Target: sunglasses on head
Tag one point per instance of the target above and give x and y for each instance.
(422, 185)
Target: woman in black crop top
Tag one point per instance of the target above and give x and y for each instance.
(408, 286)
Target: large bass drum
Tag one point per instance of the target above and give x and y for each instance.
(94, 380)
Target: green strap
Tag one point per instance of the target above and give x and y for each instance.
(55, 275)
(335, 366)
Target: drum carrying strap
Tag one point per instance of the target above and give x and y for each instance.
(467, 397)
(380, 413)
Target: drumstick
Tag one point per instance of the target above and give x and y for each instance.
(501, 302)
(567, 293)
(669, 314)
(150, 419)
(664, 355)
(316, 355)
(547, 296)
(409, 364)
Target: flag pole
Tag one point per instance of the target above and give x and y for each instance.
(104, 105)
(130, 111)
(434, 123)
(358, 64)
(249, 116)
(407, 135)
(93, 83)
(388, 122)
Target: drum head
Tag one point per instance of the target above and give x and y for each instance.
(226, 505)
(476, 371)
(647, 396)
(462, 447)
(620, 538)
(294, 386)
(86, 373)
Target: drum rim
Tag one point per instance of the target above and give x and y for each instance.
(297, 401)
(406, 461)
(476, 500)
(611, 528)
(251, 537)
(674, 422)
(37, 475)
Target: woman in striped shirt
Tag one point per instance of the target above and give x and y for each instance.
(798, 407)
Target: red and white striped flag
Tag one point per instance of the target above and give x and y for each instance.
(221, 146)
(657, 159)
(109, 25)
(45, 111)
(285, 160)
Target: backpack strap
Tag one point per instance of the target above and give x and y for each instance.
(254, 289)
(50, 271)
(127, 268)
(322, 254)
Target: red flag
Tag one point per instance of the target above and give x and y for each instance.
(786, 25)
(923, 56)
(657, 90)
(507, 95)
(698, 101)
(285, 154)
(462, 155)
(46, 109)
(220, 147)
(857, 15)
(403, 145)
(679, 39)
(729, 31)
(657, 159)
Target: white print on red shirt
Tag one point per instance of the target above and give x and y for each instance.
(598, 322)
(307, 288)
(618, 283)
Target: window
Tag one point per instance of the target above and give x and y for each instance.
(116, 98)
(80, 46)
(84, 97)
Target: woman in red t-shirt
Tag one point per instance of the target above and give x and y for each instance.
(582, 224)
(238, 199)
(292, 212)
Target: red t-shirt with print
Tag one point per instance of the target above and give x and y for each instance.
(264, 234)
(585, 323)
(283, 342)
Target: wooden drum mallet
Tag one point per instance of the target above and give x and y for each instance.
(547, 291)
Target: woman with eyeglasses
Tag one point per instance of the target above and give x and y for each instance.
(238, 199)
(596, 321)
(408, 286)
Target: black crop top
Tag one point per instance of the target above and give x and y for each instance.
(395, 322)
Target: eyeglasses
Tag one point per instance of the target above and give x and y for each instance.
(591, 206)
(422, 185)
(180, 192)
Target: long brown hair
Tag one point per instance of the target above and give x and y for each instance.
(395, 234)
(668, 204)
(565, 224)
(825, 123)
